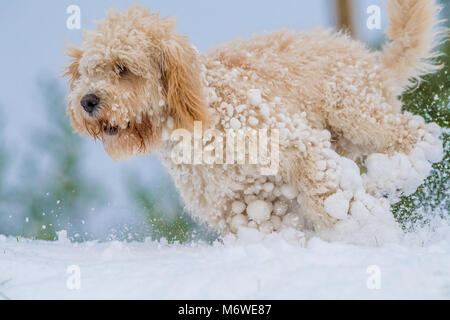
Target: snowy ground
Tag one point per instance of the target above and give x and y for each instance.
(416, 267)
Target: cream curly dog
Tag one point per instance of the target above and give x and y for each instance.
(333, 102)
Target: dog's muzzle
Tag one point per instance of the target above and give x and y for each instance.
(110, 130)
(90, 103)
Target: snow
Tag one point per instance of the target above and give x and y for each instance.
(254, 97)
(290, 192)
(265, 110)
(253, 121)
(268, 187)
(404, 173)
(280, 208)
(235, 123)
(337, 205)
(238, 221)
(259, 211)
(238, 207)
(255, 266)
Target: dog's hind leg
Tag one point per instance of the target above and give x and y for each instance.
(332, 191)
(399, 146)
(401, 173)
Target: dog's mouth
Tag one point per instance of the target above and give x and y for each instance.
(111, 130)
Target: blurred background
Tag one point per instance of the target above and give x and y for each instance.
(52, 179)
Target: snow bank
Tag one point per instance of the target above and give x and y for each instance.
(256, 266)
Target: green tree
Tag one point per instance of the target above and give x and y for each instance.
(431, 100)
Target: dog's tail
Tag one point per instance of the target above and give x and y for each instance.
(410, 55)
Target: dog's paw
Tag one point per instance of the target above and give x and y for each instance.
(369, 222)
(337, 205)
(360, 217)
(401, 174)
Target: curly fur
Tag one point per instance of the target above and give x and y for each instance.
(331, 98)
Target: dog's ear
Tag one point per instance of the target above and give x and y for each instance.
(72, 69)
(183, 86)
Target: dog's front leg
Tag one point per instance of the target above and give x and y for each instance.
(314, 168)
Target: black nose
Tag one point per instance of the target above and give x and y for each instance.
(90, 102)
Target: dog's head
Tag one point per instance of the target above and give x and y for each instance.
(129, 77)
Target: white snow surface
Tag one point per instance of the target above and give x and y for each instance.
(254, 266)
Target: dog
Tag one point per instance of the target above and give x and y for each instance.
(346, 150)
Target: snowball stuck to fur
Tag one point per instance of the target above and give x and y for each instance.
(266, 227)
(170, 123)
(252, 225)
(265, 111)
(401, 174)
(235, 123)
(433, 151)
(253, 121)
(291, 220)
(241, 108)
(350, 177)
(358, 209)
(337, 205)
(230, 110)
(290, 192)
(276, 222)
(237, 222)
(259, 211)
(237, 207)
(254, 97)
(268, 186)
(321, 165)
(280, 208)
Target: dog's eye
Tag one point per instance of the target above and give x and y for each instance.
(122, 71)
